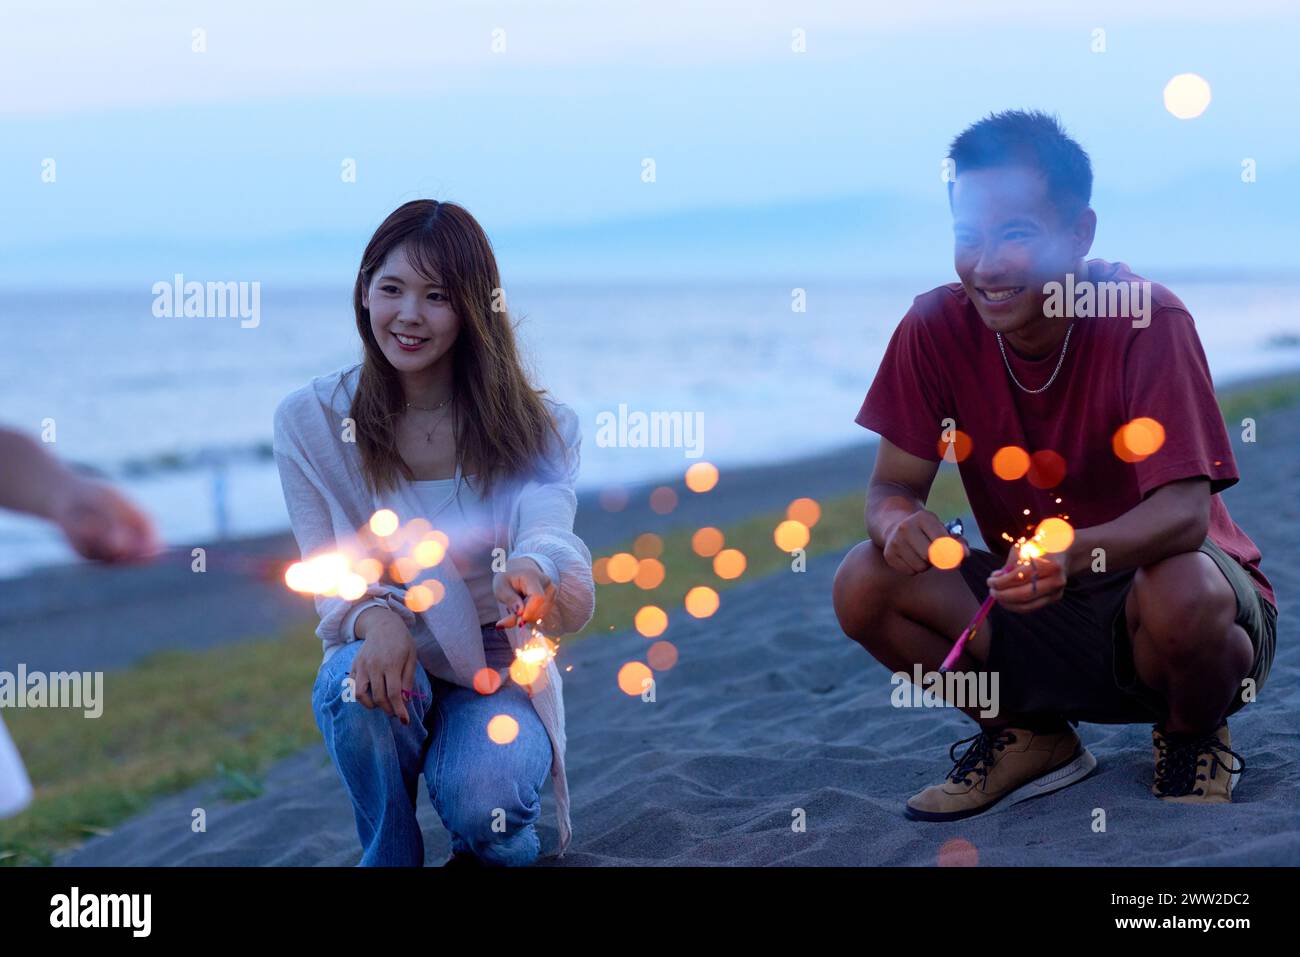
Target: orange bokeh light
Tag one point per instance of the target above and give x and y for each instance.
(663, 500)
(1136, 440)
(958, 852)
(701, 601)
(371, 569)
(1046, 469)
(662, 655)
(946, 552)
(1054, 535)
(649, 573)
(622, 567)
(648, 545)
(384, 522)
(1010, 462)
(416, 529)
(487, 681)
(804, 510)
(429, 552)
(707, 542)
(404, 569)
(702, 476)
(503, 729)
(791, 535)
(600, 571)
(651, 621)
(524, 671)
(954, 445)
(424, 596)
(729, 563)
(633, 678)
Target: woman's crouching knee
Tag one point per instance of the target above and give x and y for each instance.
(494, 819)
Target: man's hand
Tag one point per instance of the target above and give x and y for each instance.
(1029, 586)
(907, 546)
(101, 523)
(385, 663)
(526, 590)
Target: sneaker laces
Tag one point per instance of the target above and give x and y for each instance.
(1178, 763)
(979, 757)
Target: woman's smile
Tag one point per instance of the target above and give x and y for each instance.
(409, 343)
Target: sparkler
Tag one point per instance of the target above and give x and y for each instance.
(404, 552)
(1054, 533)
(532, 657)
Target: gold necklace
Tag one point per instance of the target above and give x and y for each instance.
(428, 433)
(412, 405)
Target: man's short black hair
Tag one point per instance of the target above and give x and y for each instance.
(1027, 138)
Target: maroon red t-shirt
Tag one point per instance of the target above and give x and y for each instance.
(944, 363)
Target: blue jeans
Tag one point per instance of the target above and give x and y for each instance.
(487, 794)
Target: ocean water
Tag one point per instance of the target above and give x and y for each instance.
(145, 399)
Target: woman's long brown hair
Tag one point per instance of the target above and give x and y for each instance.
(506, 428)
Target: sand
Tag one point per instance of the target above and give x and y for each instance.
(770, 712)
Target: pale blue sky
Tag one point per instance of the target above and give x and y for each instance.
(160, 148)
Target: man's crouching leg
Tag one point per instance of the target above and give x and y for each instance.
(902, 619)
(1181, 616)
(1186, 645)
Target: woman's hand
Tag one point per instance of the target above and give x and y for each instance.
(386, 662)
(101, 523)
(526, 590)
(1028, 587)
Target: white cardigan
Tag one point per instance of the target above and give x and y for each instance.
(329, 501)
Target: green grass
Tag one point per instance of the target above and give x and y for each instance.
(1255, 400)
(228, 713)
(169, 721)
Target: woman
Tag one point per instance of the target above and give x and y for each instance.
(439, 424)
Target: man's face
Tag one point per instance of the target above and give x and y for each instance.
(1008, 242)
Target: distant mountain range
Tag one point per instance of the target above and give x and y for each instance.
(1211, 224)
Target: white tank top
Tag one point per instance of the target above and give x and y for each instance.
(467, 521)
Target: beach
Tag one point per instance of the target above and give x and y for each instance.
(773, 740)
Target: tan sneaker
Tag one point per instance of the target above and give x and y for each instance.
(1189, 769)
(1001, 768)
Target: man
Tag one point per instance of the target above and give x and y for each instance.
(1156, 611)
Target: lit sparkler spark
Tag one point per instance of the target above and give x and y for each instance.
(382, 546)
(1028, 551)
(1053, 535)
(403, 553)
(532, 657)
(538, 650)
(325, 574)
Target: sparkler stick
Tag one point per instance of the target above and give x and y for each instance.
(970, 629)
(1024, 553)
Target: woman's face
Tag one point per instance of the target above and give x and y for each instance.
(411, 318)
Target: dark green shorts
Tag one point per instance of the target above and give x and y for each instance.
(1074, 657)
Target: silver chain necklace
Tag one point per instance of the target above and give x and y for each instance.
(1059, 362)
